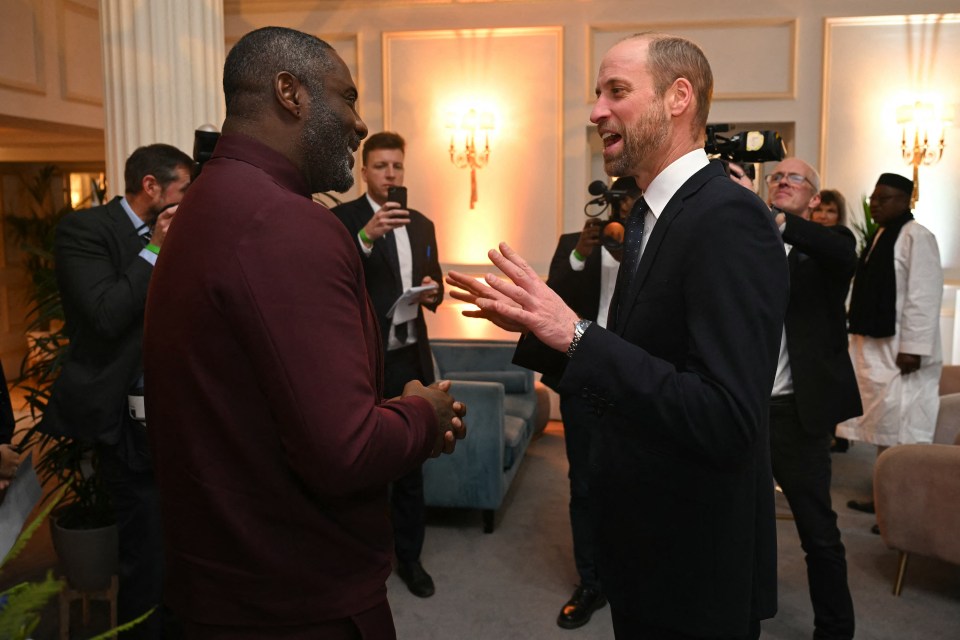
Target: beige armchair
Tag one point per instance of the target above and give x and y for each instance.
(950, 379)
(917, 493)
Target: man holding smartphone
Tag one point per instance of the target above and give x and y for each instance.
(398, 247)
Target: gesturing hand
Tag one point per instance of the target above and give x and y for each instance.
(522, 303)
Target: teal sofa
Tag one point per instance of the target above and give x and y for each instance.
(502, 416)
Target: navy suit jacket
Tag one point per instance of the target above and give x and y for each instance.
(103, 284)
(381, 272)
(822, 263)
(681, 484)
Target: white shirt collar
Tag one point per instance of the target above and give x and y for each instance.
(669, 181)
(373, 203)
(135, 220)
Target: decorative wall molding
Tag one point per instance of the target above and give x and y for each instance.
(732, 47)
(78, 51)
(22, 63)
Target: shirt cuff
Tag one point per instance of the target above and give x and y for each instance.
(367, 250)
(149, 256)
(575, 264)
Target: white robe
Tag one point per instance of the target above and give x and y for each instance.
(902, 409)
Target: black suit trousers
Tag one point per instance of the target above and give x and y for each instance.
(407, 509)
(579, 421)
(136, 503)
(802, 468)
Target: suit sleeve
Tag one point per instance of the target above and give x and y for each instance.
(433, 264)
(301, 315)
(922, 292)
(835, 247)
(723, 310)
(110, 302)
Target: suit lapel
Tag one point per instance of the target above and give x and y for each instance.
(660, 231)
(128, 240)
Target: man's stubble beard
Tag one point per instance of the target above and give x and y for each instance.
(641, 140)
(326, 149)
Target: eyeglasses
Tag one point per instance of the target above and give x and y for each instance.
(793, 178)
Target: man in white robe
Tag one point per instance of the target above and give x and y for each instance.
(895, 326)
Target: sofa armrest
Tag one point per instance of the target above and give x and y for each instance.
(917, 490)
(512, 381)
(472, 476)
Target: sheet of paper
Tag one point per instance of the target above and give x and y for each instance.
(406, 307)
(22, 495)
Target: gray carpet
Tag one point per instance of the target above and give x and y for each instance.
(512, 583)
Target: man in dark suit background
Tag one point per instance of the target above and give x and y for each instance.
(583, 272)
(104, 260)
(680, 379)
(399, 250)
(815, 388)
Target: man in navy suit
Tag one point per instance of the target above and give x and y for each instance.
(399, 250)
(104, 260)
(815, 388)
(680, 378)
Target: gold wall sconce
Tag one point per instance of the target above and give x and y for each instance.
(464, 152)
(923, 141)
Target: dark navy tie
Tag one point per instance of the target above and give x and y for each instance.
(632, 241)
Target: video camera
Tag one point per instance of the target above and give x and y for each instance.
(204, 140)
(744, 147)
(611, 229)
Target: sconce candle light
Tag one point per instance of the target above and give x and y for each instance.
(467, 155)
(922, 119)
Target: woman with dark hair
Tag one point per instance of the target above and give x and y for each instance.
(832, 209)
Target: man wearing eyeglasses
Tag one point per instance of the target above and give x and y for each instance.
(815, 387)
(895, 324)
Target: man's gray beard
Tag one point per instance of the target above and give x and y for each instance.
(641, 140)
(326, 149)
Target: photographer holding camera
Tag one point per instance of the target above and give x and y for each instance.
(105, 258)
(584, 273)
(815, 387)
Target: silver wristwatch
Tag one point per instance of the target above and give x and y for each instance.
(578, 330)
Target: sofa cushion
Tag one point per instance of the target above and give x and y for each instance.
(515, 435)
(512, 381)
(523, 406)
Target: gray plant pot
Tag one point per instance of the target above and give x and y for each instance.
(88, 557)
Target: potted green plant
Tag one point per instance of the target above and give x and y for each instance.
(86, 512)
(864, 228)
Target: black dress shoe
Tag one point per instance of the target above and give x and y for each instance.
(875, 529)
(580, 607)
(862, 505)
(418, 581)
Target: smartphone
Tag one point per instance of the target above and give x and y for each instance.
(398, 195)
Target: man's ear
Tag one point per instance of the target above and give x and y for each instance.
(814, 202)
(151, 186)
(289, 92)
(680, 96)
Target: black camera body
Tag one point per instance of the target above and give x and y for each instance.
(746, 146)
(612, 228)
